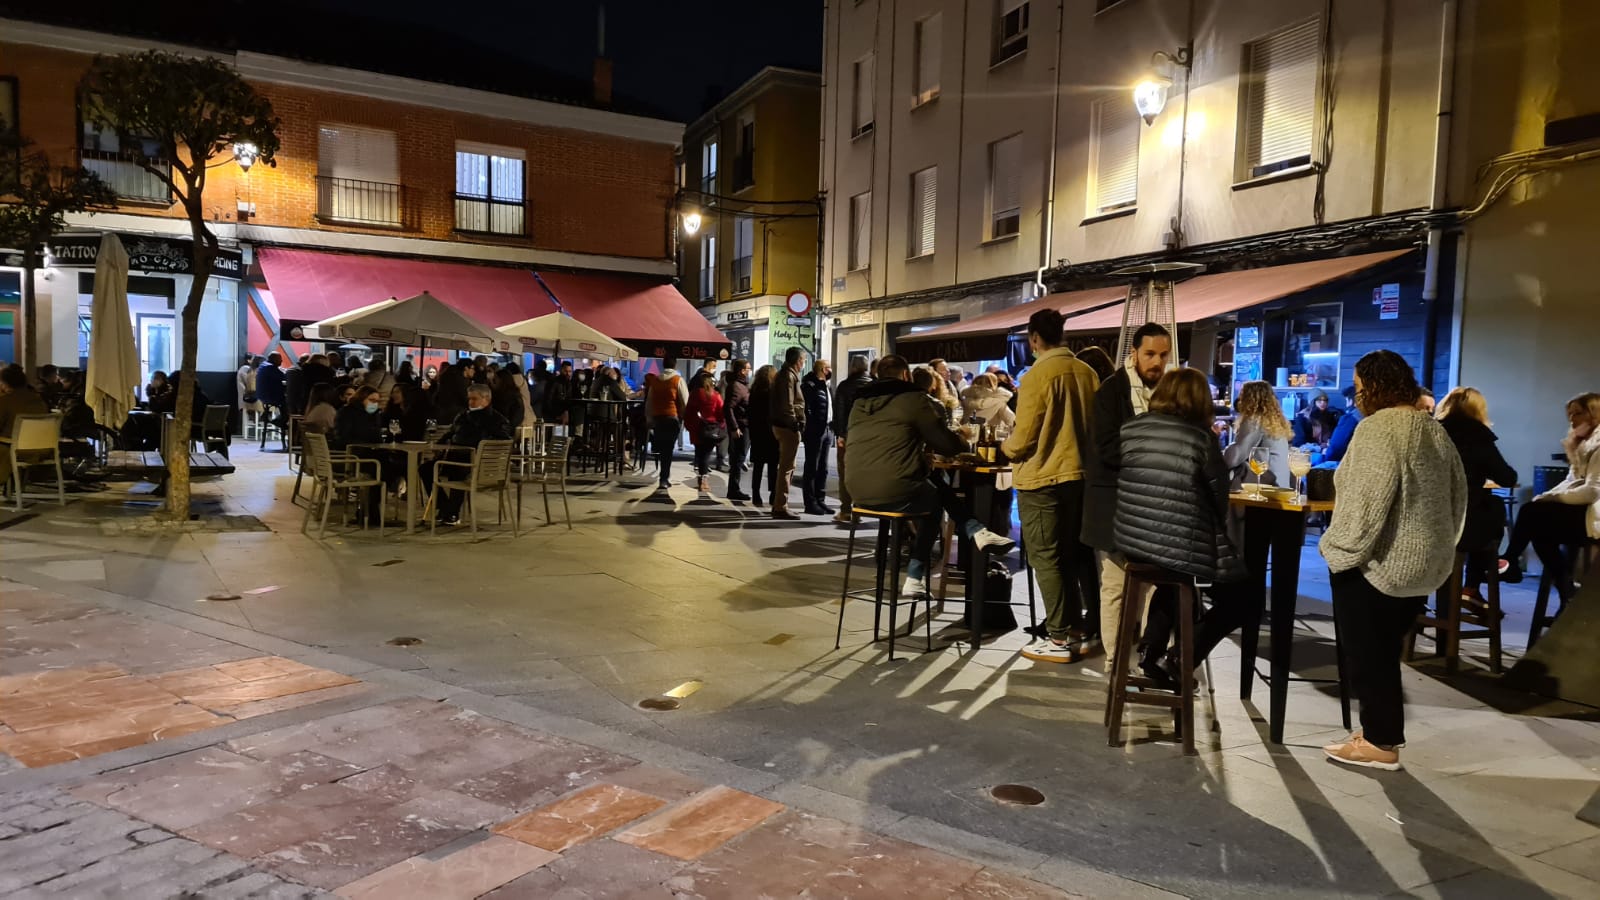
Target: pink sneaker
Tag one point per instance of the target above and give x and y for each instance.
(1356, 751)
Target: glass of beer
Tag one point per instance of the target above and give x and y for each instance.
(1258, 465)
(1300, 467)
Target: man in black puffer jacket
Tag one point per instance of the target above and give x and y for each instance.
(1172, 511)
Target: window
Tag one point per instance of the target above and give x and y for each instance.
(1278, 100)
(744, 239)
(708, 166)
(861, 107)
(1114, 166)
(860, 230)
(708, 262)
(489, 189)
(358, 175)
(744, 163)
(115, 159)
(1010, 29)
(927, 39)
(1005, 187)
(924, 197)
(8, 105)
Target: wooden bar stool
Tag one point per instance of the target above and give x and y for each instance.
(1582, 557)
(891, 527)
(1146, 692)
(1450, 616)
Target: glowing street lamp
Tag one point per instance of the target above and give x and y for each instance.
(1150, 94)
(691, 222)
(245, 154)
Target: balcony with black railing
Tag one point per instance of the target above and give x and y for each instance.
(486, 215)
(353, 202)
(130, 181)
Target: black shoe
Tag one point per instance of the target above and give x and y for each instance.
(739, 495)
(1153, 669)
(450, 521)
(755, 499)
(824, 510)
(1510, 572)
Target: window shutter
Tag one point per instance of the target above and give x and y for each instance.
(1281, 104)
(359, 154)
(1005, 175)
(1116, 175)
(924, 199)
(860, 230)
(863, 94)
(930, 39)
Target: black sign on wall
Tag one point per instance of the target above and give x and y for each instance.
(167, 256)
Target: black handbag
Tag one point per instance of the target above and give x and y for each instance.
(715, 432)
(1319, 484)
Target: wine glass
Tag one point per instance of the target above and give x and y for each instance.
(394, 429)
(1258, 465)
(1300, 467)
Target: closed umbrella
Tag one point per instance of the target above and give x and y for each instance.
(559, 333)
(113, 374)
(420, 321)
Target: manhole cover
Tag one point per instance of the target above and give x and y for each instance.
(217, 598)
(1017, 794)
(658, 703)
(405, 641)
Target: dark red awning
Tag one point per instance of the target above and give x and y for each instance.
(648, 316)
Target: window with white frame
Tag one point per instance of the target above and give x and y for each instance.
(1010, 29)
(1278, 100)
(744, 249)
(860, 230)
(922, 202)
(115, 159)
(708, 166)
(1114, 155)
(927, 40)
(1005, 187)
(861, 105)
(744, 160)
(489, 189)
(358, 175)
(708, 262)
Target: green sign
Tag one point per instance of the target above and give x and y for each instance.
(784, 332)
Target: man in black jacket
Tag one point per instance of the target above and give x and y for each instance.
(477, 424)
(814, 481)
(1123, 395)
(736, 404)
(844, 397)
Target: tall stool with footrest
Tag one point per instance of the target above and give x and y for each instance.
(891, 527)
(1146, 692)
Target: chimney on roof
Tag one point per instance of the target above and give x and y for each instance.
(602, 65)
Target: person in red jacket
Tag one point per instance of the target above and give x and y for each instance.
(707, 427)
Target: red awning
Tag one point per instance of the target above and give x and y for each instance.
(648, 316)
(310, 285)
(1209, 296)
(985, 336)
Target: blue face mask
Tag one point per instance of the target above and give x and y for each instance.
(372, 407)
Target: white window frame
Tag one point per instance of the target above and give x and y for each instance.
(1004, 195)
(1010, 30)
(504, 211)
(1113, 156)
(377, 149)
(708, 262)
(744, 252)
(927, 36)
(863, 79)
(922, 207)
(709, 162)
(1279, 101)
(858, 247)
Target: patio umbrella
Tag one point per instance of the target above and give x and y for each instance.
(420, 321)
(329, 327)
(559, 333)
(113, 373)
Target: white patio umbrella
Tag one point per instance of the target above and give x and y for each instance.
(329, 327)
(559, 333)
(420, 321)
(113, 374)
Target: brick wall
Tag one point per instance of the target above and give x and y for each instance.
(586, 192)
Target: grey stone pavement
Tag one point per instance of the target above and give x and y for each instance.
(568, 631)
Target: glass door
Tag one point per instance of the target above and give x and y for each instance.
(155, 335)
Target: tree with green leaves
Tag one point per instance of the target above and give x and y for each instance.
(197, 113)
(35, 197)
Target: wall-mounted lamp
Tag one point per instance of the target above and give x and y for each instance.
(691, 222)
(1150, 94)
(245, 153)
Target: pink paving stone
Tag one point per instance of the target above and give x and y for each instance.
(991, 885)
(701, 824)
(462, 875)
(663, 783)
(332, 729)
(361, 846)
(264, 827)
(555, 767)
(586, 815)
(597, 869)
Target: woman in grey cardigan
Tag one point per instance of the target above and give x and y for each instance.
(1402, 500)
(1259, 425)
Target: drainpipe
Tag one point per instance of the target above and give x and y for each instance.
(1048, 233)
(1441, 146)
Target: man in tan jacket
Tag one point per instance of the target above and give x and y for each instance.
(1054, 405)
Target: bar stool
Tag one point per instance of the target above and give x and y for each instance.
(891, 528)
(1146, 692)
(1582, 555)
(1449, 615)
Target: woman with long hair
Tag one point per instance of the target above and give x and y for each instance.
(321, 408)
(986, 400)
(763, 444)
(1567, 512)
(707, 427)
(1259, 425)
(1098, 360)
(1464, 414)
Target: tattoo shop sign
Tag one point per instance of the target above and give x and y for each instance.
(160, 255)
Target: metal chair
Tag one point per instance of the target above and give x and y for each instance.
(545, 469)
(324, 471)
(212, 429)
(489, 470)
(35, 442)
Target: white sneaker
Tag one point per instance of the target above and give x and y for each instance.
(914, 588)
(988, 540)
(843, 517)
(1050, 651)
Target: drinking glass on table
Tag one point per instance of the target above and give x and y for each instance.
(969, 433)
(1300, 467)
(394, 429)
(1258, 465)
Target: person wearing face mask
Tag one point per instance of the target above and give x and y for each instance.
(360, 422)
(478, 423)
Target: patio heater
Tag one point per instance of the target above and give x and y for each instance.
(1152, 297)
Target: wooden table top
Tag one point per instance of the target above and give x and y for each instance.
(1245, 500)
(948, 464)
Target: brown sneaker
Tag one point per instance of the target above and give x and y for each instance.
(1355, 751)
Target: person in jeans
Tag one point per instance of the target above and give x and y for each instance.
(814, 482)
(788, 420)
(844, 397)
(1402, 503)
(893, 425)
(666, 396)
(704, 417)
(270, 389)
(736, 404)
(1053, 415)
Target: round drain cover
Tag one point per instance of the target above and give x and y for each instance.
(405, 641)
(658, 703)
(1017, 794)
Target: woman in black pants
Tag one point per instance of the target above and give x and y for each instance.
(763, 444)
(1568, 512)
(1465, 416)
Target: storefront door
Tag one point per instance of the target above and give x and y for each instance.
(155, 336)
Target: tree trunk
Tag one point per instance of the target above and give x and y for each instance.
(203, 251)
(30, 315)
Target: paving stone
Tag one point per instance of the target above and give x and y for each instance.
(702, 823)
(462, 875)
(552, 768)
(260, 828)
(583, 816)
(602, 868)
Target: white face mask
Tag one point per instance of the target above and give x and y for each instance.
(371, 407)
